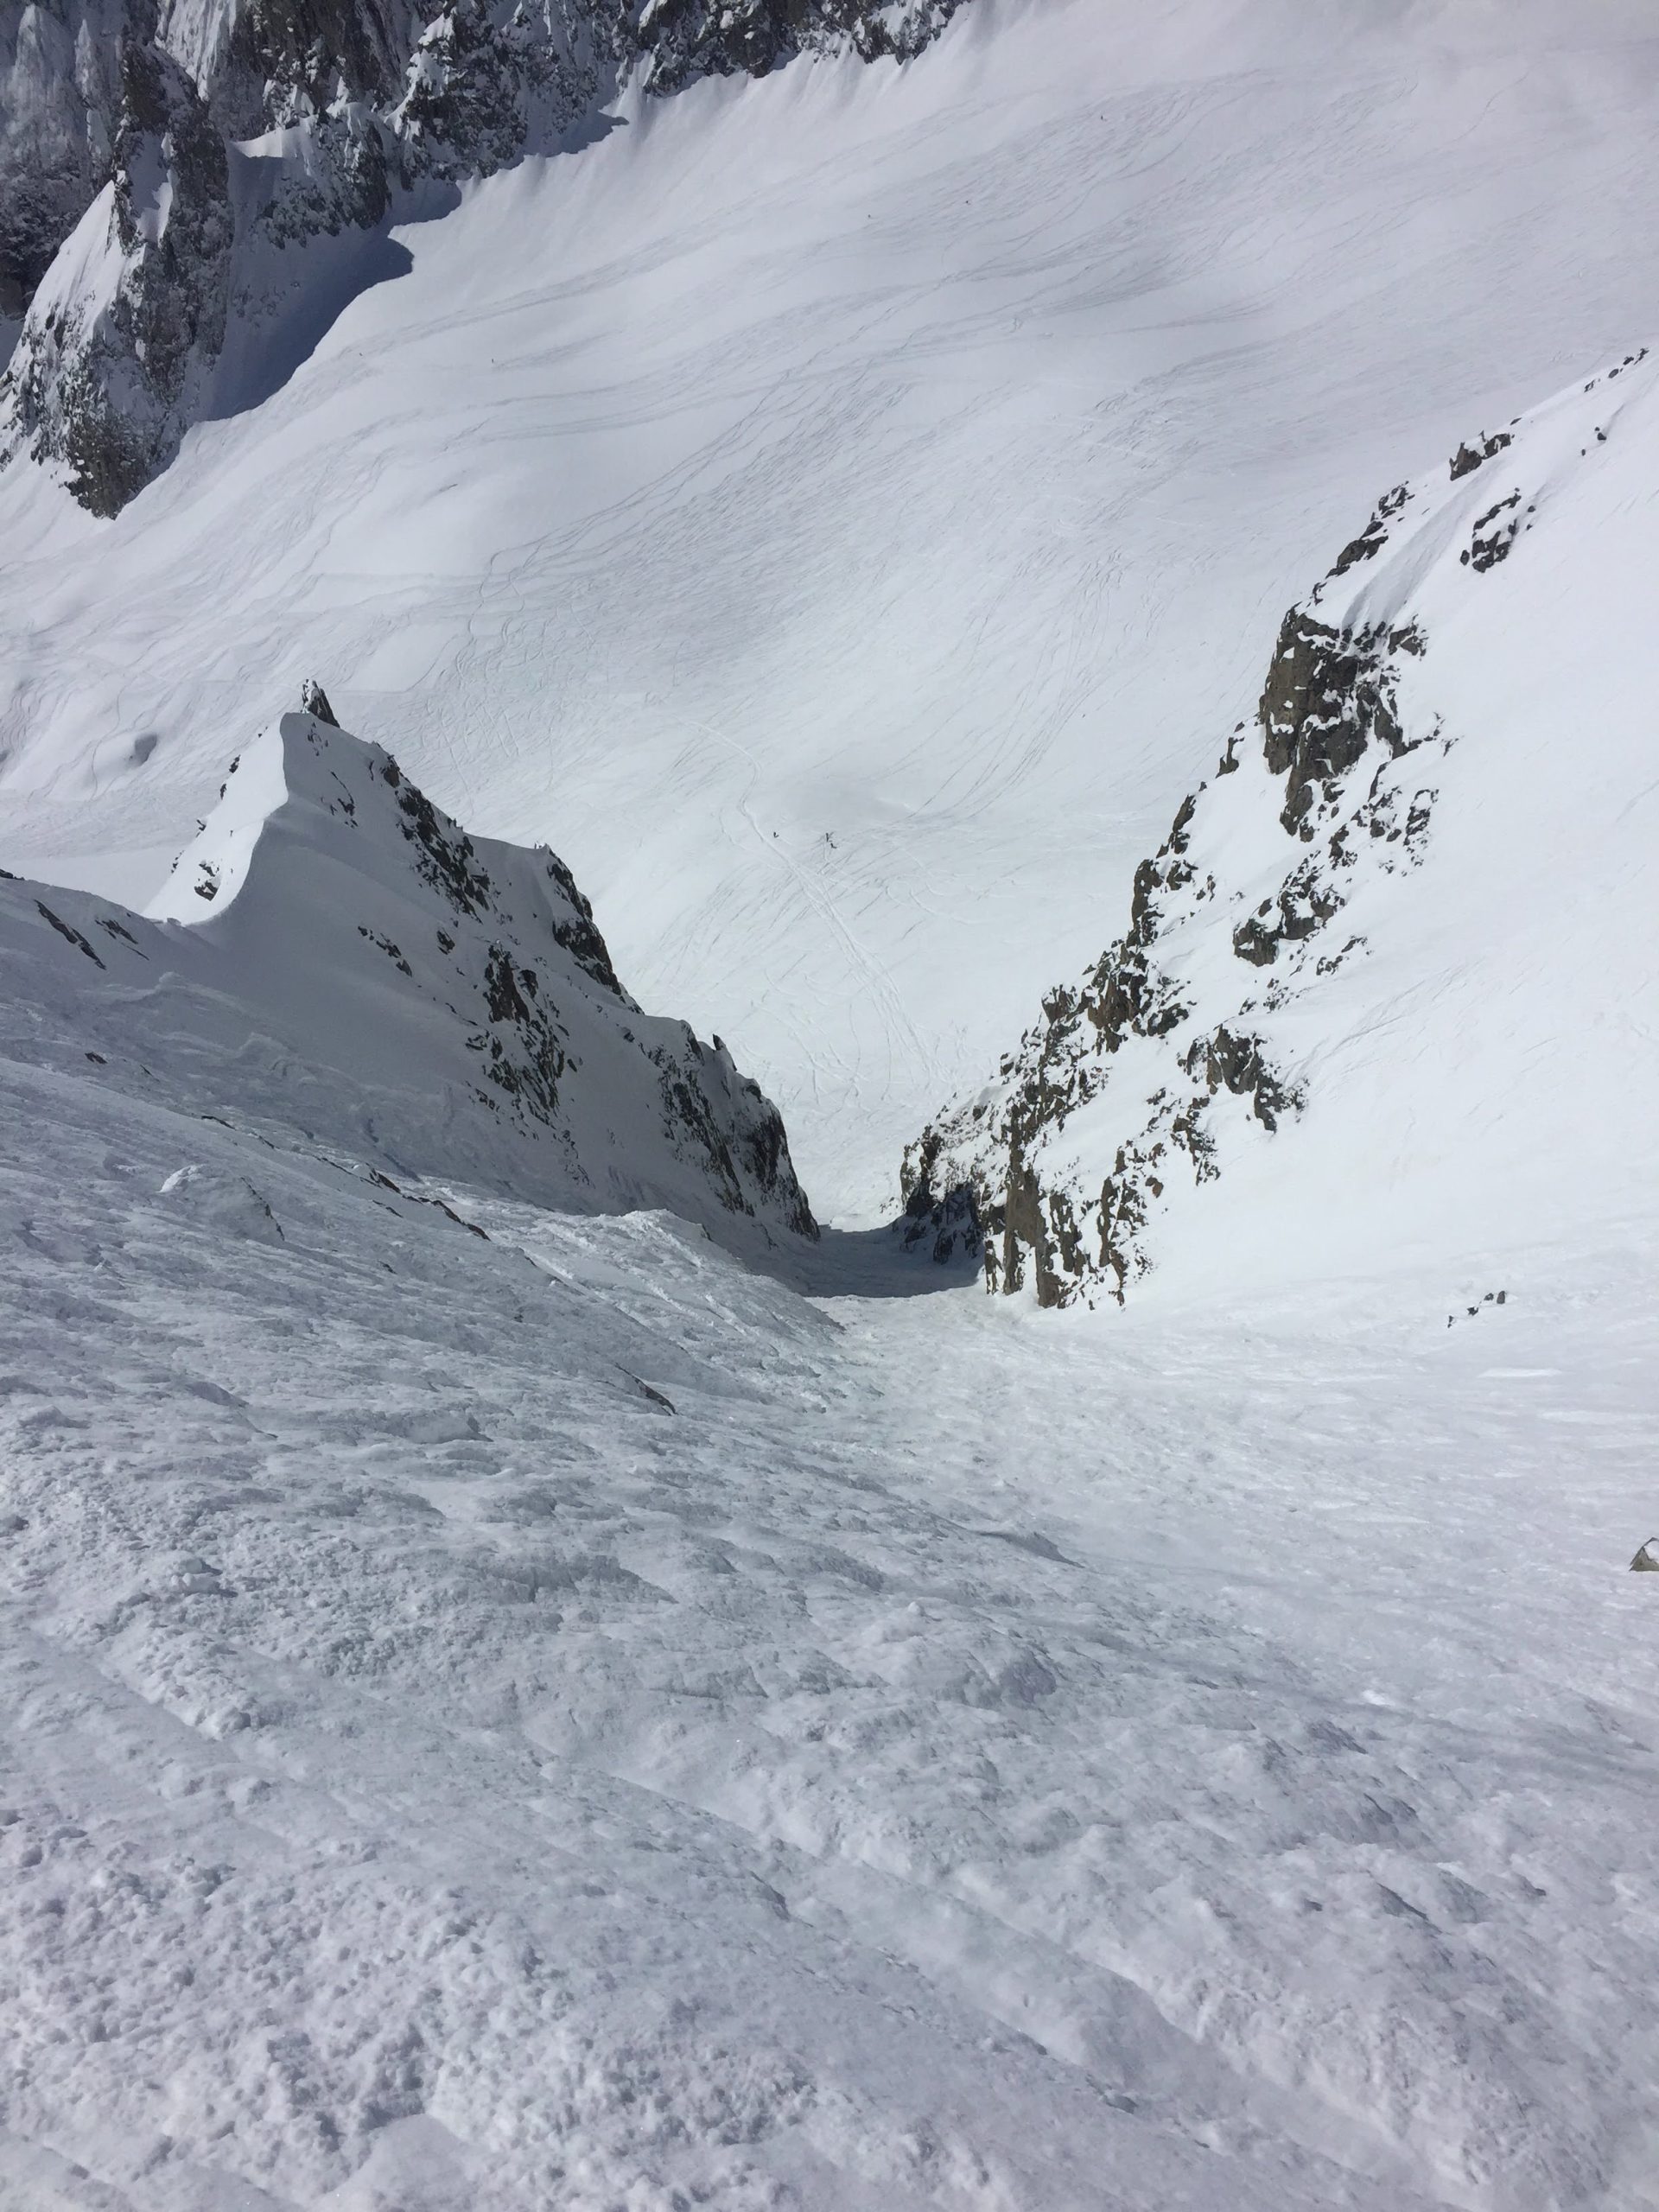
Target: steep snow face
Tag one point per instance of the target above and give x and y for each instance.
(332, 954)
(844, 512)
(1391, 966)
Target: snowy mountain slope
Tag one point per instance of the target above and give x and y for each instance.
(454, 91)
(1392, 963)
(437, 1774)
(333, 956)
(910, 463)
(345, 111)
(505, 1704)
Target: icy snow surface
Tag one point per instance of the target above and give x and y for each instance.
(844, 513)
(560, 1721)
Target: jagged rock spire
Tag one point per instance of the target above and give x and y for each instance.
(314, 701)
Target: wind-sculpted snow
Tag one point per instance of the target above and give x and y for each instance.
(552, 1719)
(332, 955)
(1265, 935)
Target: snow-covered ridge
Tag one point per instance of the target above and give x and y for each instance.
(1308, 906)
(333, 956)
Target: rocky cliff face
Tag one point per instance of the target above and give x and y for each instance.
(351, 103)
(266, 64)
(335, 962)
(682, 39)
(107, 373)
(1196, 1035)
(59, 97)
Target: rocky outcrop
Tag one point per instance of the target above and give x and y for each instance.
(682, 39)
(477, 90)
(60, 102)
(120, 166)
(105, 375)
(1169, 1057)
(1328, 732)
(942, 1228)
(281, 62)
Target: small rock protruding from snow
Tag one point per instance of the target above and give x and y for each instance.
(228, 1203)
(1647, 1558)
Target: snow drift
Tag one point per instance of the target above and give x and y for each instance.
(333, 956)
(1388, 978)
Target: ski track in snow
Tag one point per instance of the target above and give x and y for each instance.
(949, 439)
(954, 1757)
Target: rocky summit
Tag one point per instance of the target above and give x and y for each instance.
(428, 1000)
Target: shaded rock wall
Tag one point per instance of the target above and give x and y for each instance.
(102, 381)
(60, 102)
